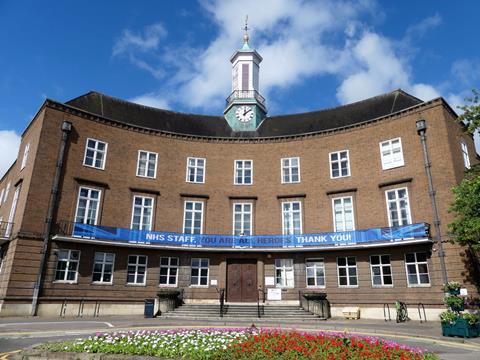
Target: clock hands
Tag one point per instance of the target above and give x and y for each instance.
(245, 112)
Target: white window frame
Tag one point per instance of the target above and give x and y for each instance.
(137, 265)
(315, 261)
(199, 276)
(195, 169)
(169, 267)
(95, 154)
(235, 168)
(87, 206)
(466, 157)
(26, 151)
(103, 262)
(7, 191)
(392, 164)
(286, 170)
(145, 174)
(339, 161)
(284, 268)
(194, 212)
(13, 209)
(397, 205)
(381, 266)
(342, 199)
(417, 272)
(143, 207)
(347, 267)
(291, 228)
(68, 261)
(1, 196)
(242, 213)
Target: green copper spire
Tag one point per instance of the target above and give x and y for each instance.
(245, 35)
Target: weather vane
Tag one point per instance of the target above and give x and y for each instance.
(246, 28)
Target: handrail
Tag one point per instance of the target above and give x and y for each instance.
(63, 309)
(221, 299)
(386, 307)
(420, 305)
(260, 308)
(80, 308)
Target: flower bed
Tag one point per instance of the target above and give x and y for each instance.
(241, 343)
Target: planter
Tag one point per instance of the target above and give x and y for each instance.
(454, 291)
(457, 308)
(460, 327)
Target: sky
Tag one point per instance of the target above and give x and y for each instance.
(175, 54)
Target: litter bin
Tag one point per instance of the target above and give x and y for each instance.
(149, 306)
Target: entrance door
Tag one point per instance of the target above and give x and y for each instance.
(242, 280)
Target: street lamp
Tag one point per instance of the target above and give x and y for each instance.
(421, 126)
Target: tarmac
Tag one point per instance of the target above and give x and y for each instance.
(18, 333)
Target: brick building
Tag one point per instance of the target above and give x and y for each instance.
(109, 201)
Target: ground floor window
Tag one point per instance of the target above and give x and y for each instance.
(103, 267)
(168, 271)
(67, 265)
(136, 269)
(315, 269)
(199, 272)
(347, 271)
(284, 273)
(417, 269)
(381, 270)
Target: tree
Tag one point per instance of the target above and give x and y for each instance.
(471, 112)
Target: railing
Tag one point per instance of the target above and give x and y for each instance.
(221, 299)
(260, 305)
(421, 306)
(317, 303)
(386, 310)
(246, 94)
(5, 229)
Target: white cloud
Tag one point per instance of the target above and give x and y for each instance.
(9, 144)
(152, 100)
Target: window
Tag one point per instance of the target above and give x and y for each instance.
(13, 209)
(466, 158)
(343, 214)
(1, 196)
(7, 190)
(284, 273)
(26, 150)
(142, 213)
(136, 269)
(199, 272)
(95, 154)
(243, 172)
(291, 219)
(195, 170)
(3, 254)
(381, 270)
(193, 217)
(347, 271)
(87, 206)
(168, 271)
(417, 269)
(103, 267)
(391, 153)
(67, 265)
(315, 269)
(242, 219)
(398, 207)
(147, 164)
(339, 164)
(290, 170)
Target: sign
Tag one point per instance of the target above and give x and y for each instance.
(463, 292)
(274, 294)
(269, 281)
(213, 282)
(318, 240)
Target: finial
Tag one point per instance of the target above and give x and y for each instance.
(245, 35)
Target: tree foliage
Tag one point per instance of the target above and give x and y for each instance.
(466, 206)
(471, 112)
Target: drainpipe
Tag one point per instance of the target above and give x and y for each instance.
(66, 129)
(421, 130)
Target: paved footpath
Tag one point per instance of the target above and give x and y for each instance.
(20, 333)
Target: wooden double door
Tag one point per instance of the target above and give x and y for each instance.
(242, 280)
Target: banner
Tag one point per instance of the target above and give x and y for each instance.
(390, 234)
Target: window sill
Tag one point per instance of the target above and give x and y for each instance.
(393, 166)
(94, 167)
(168, 286)
(195, 182)
(348, 286)
(132, 284)
(420, 286)
(101, 283)
(340, 177)
(290, 182)
(315, 287)
(243, 184)
(382, 286)
(198, 286)
(65, 282)
(146, 177)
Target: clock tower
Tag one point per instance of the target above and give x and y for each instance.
(245, 106)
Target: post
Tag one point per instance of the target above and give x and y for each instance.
(66, 129)
(421, 130)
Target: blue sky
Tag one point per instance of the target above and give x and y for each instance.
(175, 54)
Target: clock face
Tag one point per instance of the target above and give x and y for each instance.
(244, 113)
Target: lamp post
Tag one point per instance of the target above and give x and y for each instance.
(421, 126)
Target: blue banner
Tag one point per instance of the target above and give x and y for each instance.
(389, 234)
